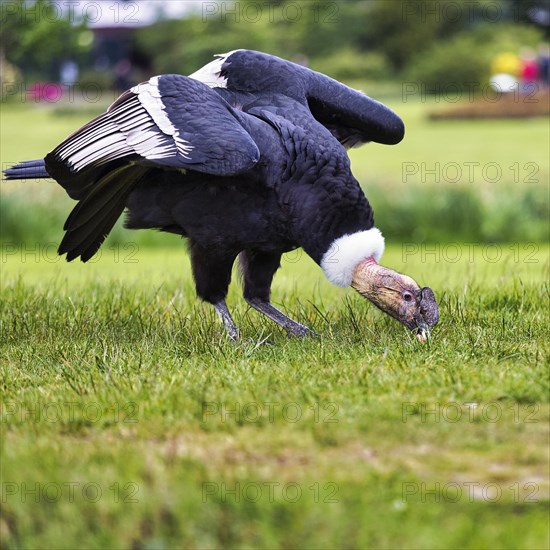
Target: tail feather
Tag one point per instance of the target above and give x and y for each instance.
(29, 169)
(89, 243)
(95, 215)
(101, 193)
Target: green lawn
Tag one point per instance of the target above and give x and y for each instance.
(129, 420)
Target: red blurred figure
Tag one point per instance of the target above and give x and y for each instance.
(529, 70)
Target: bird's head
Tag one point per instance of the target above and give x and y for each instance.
(352, 259)
(397, 295)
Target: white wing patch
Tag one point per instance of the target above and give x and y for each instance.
(210, 73)
(149, 96)
(138, 125)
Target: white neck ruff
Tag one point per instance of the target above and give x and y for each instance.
(347, 251)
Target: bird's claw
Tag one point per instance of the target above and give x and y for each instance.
(233, 335)
(300, 331)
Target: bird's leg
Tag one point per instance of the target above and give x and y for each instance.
(258, 269)
(292, 327)
(227, 320)
(212, 274)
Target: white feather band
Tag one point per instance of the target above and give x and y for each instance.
(346, 252)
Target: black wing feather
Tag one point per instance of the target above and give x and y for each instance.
(94, 216)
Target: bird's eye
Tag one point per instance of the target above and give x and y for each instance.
(407, 296)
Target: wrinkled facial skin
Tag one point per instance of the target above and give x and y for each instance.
(397, 295)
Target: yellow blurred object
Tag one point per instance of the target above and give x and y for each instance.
(506, 62)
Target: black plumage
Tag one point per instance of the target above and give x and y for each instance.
(245, 157)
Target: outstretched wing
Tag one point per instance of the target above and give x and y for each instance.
(351, 116)
(171, 121)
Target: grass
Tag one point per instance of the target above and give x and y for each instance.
(119, 384)
(478, 142)
(129, 420)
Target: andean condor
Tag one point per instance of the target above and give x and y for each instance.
(246, 157)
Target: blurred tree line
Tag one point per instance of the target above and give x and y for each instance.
(35, 37)
(432, 41)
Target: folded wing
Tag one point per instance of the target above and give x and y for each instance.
(170, 121)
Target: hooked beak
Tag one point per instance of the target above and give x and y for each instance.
(397, 295)
(423, 333)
